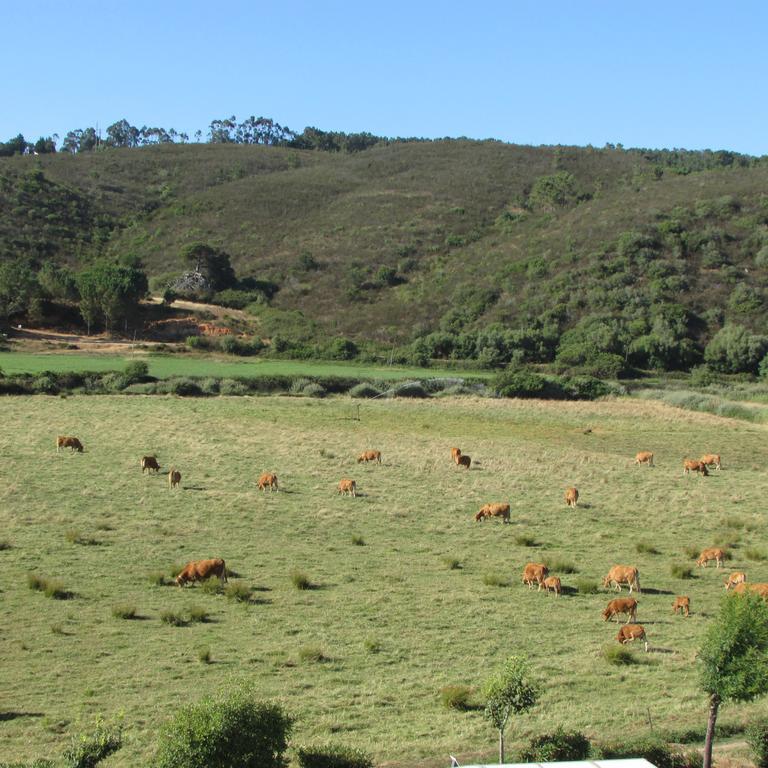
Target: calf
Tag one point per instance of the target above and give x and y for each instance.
(148, 464)
(268, 480)
(493, 510)
(712, 553)
(347, 486)
(174, 478)
(757, 589)
(200, 570)
(68, 442)
(553, 583)
(644, 457)
(682, 604)
(367, 456)
(736, 578)
(691, 465)
(571, 497)
(711, 459)
(631, 632)
(463, 461)
(534, 573)
(619, 605)
(623, 574)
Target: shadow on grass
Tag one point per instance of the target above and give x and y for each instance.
(651, 591)
(7, 716)
(194, 488)
(657, 649)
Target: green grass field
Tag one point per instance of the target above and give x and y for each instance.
(393, 621)
(165, 366)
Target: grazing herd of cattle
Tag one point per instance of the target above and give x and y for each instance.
(533, 573)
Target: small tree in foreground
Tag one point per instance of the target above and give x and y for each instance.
(509, 692)
(734, 658)
(224, 732)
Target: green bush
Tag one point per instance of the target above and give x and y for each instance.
(136, 370)
(184, 387)
(519, 383)
(300, 580)
(88, 750)
(364, 390)
(232, 730)
(618, 655)
(232, 387)
(333, 757)
(587, 587)
(314, 390)
(652, 748)
(456, 697)
(681, 571)
(757, 738)
(734, 349)
(557, 747)
(410, 389)
(585, 387)
(115, 382)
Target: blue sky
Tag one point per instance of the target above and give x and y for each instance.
(649, 74)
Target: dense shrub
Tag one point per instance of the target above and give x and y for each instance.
(223, 732)
(184, 387)
(333, 757)
(136, 371)
(733, 349)
(88, 750)
(115, 382)
(519, 383)
(364, 390)
(410, 389)
(757, 738)
(585, 387)
(653, 749)
(558, 746)
(232, 387)
(313, 389)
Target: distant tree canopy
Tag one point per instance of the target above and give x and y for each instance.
(212, 263)
(110, 292)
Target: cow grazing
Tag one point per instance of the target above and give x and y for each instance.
(493, 510)
(712, 553)
(757, 589)
(534, 573)
(552, 583)
(347, 486)
(463, 461)
(682, 604)
(736, 578)
(200, 570)
(149, 463)
(367, 456)
(623, 574)
(268, 480)
(571, 497)
(619, 605)
(711, 460)
(631, 632)
(644, 457)
(691, 465)
(455, 453)
(68, 442)
(174, 478)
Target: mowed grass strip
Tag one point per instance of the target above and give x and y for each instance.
(396, 620)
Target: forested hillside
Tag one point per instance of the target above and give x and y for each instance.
(598, 260)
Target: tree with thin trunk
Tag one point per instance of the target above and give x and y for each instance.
(734, 658)
(509, 692)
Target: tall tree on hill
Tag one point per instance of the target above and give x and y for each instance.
(14, 146)
(111, 291)
(734, 658)
(213, 264)
(18, 288)
(122, 134)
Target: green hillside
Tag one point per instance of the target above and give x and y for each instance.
(645, 254)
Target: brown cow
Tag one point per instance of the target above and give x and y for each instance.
(367, 456)
(493, 510)
(711, 459)
(200, 570)
(757, 589)
(683, 604)
(736, 578)
(174, 478)
(630, 632)
(571, 497)
(553, 583)
(712, 553)
(619, 605)
(455, 453)
(644, 457)
(347, 486)
(534, 572)
(268, 480)
(148, 463)
(623, 574)
(68, 442)
(463, 461)
(691, 465)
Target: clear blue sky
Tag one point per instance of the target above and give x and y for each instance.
(647, 73)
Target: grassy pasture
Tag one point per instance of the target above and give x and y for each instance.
(407, 594)
(182, 365)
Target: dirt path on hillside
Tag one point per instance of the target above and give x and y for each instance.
(196, 306)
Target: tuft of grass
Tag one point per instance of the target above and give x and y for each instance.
(175, 570)
(300, 580)
(204, 656)
(75, 537)
(758, 555)
(239, 592)
(587, 586)
(645, 548)
(312, 654)
(124, 611)
(49, 587)
(4, 545)
(358, 541)
(198, 615)
(57, 629)
(173, 619)
(692, 552)
(457, 697)
(372, 645)
(524, 540)
(618, 655)
(212, 587)
(158, 579)
(452, 563)
(35, 582)
(495, 580)
(560, 566)
(681, 571)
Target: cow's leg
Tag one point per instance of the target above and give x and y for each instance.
(646, 646)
